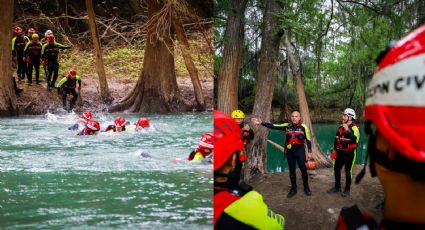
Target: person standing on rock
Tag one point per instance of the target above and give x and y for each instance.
(33, 58)
(18, 45)
(297, 136)
(346, 140)
(50, 53)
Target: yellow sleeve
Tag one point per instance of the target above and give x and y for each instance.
(307, 132)
(62, 82)
(281, 125)
(43, 48)
(26, 46)
(198, 157)
(251, 210)
(13, 43)
(356, 133)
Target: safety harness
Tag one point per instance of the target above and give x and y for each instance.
(344, 141)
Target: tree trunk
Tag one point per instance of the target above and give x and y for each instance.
(318, 155)
(267, 66)
(156, 90)
(104, 90)
(193, 72)
(229, 70)
(7, 92)
(285, 91)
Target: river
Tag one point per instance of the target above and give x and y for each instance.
(50, 178)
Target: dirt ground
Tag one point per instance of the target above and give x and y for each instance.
(320, 210)
(35, 99)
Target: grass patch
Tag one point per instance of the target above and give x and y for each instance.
(125, 63)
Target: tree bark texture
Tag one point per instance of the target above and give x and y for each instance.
(191, 68)
(229, 70)
(104, 89)
(267, 75)
(318, 155)
(7, 93)
(285, 91)
(156, 90)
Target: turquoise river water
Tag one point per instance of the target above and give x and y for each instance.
(52, 179)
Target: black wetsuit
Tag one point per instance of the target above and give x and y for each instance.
(33, 52)
(295, 150)
(18, 44)
(345, 144)
(67, 86)
(50, 53)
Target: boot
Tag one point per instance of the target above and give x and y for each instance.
(292, 192)
(305, 183)
(307, 191)
(334, 190)
(345, 193)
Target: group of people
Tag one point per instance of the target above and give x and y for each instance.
(394, 123)
(92, 126)
(29, 52)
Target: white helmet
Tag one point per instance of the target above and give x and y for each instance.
(350, 112)
(48, 32)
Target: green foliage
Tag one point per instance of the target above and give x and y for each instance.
(124, 63)
(336, 61)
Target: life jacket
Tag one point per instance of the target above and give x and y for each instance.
(198, 150)
(344, 141)
(295, 135)
(20, 43)
(34, 49)
(70, 83)
(51, 51)
(244, 133)
(246, 140)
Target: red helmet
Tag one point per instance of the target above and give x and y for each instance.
(120, 122)
(311, 164)
(18, 29)
(206, 142)
(93, 125)
(87, 115)
(31, 30)
(72, 72)
(143, 122)
(395, 100)
(227, 136)
(51, 38)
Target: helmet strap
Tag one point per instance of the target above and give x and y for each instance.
(371, 142)
(398, 164)
(233, 178)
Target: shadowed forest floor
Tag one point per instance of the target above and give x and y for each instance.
(320, 210)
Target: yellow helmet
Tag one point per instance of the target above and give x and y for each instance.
(34, 36)
(238, 114)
